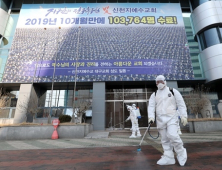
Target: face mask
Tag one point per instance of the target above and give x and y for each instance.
(160, 86)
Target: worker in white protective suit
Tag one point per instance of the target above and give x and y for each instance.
(137, 113)
(134, 121)
(134, 107)
(165, 104)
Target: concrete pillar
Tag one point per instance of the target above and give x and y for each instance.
(41, 93)
(27, 97)
(98, 106)
(42, 96)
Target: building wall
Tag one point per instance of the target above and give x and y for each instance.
(98, 97)
(98, 106)
(194, 48)
(207, 18)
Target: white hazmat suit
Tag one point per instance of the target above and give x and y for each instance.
(134, 107)
(134, 121)
(165, 105)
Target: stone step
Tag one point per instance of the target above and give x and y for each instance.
(128, 132)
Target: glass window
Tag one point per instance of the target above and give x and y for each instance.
(8, 103)
(196, 3)
(4, 50)
(209, 37)
(40, 1)
(114, 90)
(149, 94)
(141, 1)
(43, 113)
(174, 1)
(13, 19)
(118, 115)
(220, 32)
(154, 1)
(3, 59)
(12, 112)
(14, 98)
(196, 67)
(134, 96)
(109, 114)
(195, 60)
(5, 5)
(5, 113)
(114, 96)
(202, 41)
(134, 90)
(198, 75)
(62, 102)
(102, 1)
(184, 4)
(164, 1)
(58, 98)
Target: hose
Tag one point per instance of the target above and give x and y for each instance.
(151, 135)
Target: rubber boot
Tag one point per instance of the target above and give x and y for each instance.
(133, 135)
(167, 158)
(182, 157)
(138, 134)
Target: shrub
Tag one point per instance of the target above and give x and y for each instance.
(197, 101)
(64, 118)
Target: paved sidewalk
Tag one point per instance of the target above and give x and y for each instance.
(114, 153)
(103, 140)
(98, 134)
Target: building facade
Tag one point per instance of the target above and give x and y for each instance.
(110, 59)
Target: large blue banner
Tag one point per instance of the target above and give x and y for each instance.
(100, 14)
(46, 68)
(103, 42)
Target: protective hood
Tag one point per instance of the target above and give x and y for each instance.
(161, 86)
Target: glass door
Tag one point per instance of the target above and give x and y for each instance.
(118, 116)
(114, 115)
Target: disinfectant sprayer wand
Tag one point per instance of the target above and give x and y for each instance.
(139, 147)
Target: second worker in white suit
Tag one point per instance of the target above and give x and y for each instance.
(134, 121)
(165, 104)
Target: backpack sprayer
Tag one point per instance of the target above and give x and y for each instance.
(147, 130)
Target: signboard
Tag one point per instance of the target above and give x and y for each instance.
(102, 41)
(99, 14)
